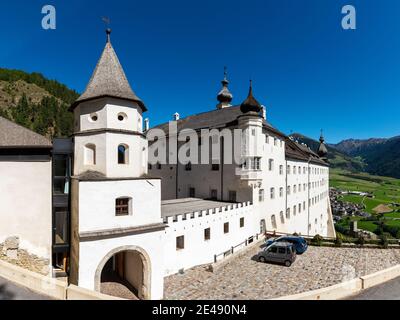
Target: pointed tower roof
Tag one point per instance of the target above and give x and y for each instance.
(250, 104)
(109, 79)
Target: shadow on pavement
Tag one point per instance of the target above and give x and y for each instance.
(5, 294)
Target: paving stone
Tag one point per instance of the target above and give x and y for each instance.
(243, 278)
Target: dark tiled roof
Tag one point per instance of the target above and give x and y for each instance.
(109, 80)
(13, 135)
(297, 151)
(220, 118)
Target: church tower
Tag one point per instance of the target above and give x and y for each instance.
(108, 119)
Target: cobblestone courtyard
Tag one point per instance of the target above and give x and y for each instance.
(244, 278)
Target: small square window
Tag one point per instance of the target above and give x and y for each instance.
(122, 206)
(215, 167)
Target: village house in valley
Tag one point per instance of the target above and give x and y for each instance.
(96, 208)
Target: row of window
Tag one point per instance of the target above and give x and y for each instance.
(121, 117)
(188, 166)
(214, 194)
(90, 154)
(180, 241)
(275, 141)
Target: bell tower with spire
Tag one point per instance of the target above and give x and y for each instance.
(115, 207)
(108, 122)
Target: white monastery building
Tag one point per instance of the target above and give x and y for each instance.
(100, 209)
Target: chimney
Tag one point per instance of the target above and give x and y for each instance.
(146, 124)
(176, 116)
(264, 112)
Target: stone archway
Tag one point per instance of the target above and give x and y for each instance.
(136, 269)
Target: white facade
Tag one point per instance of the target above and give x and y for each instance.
(205, 235)
(25, 204)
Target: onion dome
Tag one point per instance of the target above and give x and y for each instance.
(322, 150)
(224, 96)
(250, 104)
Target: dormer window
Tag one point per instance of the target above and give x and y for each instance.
(123, 154)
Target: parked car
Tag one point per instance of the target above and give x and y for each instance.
(299, 243)
(278, 252)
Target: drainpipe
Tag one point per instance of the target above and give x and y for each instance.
(308, 198)
(222, 168)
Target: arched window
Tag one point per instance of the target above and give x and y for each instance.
(89, 155)
(123, 154)
(273, 221)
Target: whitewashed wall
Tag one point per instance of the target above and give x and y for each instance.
(199, 251)
(97, 204)
(25, 205)
(91, 254)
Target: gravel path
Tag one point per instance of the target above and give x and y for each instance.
(244, 278)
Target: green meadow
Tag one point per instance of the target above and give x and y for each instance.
(386, 191)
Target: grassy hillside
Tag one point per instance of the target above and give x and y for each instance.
(382, 156)
(386, 192)
(336, 158)
(37, 103)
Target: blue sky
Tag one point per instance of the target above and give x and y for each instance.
(307, 70)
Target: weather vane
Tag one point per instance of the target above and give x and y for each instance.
(106, 20)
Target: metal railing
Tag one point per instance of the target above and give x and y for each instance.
(245, 243)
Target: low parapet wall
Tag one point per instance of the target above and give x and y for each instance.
(338, 291)
(349, 288)
(208, 212)
(53, 288)
(42, 284)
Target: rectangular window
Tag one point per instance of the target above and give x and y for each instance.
(232, 196)
(241, 222)
(122, 207)
(188, 166)
(272, 191)
(281, 192)
(61, 225)
(256, 163)
(215, 167)
(226, 227)
(281, 170)
(214, 194)
(207, 234)
(159, 166)
(192, 192)
(271, 164)
(180, 243)
(149, 166)
(288, 169)
(261, 195)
